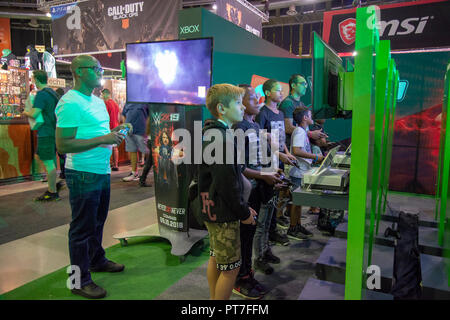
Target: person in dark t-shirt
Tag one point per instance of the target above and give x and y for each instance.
(44, 104)
(270, 119)
(262, 191)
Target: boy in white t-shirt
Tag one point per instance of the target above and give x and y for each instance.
(301, 149)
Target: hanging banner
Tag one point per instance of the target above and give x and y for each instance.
(107, 25)
(410, 25)
(235, 12)
(5, 34)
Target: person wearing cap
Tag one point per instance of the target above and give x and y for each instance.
(7, 56)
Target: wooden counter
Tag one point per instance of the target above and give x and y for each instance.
(16, 151)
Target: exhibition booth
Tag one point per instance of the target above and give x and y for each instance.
(386, 107)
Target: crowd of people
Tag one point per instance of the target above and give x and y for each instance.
(241, 207)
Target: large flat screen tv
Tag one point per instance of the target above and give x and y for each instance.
(176, 72)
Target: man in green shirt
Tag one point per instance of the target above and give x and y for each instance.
(297, 89)
(45, 103)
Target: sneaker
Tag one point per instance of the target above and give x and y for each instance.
(245, 289)
(283, 222)
(115, 169)
(279, 238)
(108, 267)
(144, 184)
(48, 196)
(257, 285)
(60, 185)
(131, 177)
(263, 266)
(90, 291)
(294, 234)
(301, 229)
(270, 257)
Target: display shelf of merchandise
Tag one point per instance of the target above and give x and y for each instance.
(13, 93)
(119, 92)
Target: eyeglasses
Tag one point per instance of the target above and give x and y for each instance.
(94, 68)
(305, 84)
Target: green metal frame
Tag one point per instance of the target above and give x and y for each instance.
(443, 185)
(443, 188)
(375, 82)
(382, 62)
(393, 80)
(360, 180)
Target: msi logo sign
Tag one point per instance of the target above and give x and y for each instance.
(347, 30)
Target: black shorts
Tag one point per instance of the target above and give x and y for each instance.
(46, 148)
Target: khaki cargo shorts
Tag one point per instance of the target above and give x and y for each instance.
(225, 244)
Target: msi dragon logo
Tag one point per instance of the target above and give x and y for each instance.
(347, 30)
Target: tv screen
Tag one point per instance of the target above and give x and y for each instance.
(176, 71)
(326, 67)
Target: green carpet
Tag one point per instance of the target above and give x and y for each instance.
(150, 269)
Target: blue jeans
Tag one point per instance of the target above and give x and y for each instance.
(89, 195)
(261, 239)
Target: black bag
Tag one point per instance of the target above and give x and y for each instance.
(329, 219)
(195, 218)
(407, 277)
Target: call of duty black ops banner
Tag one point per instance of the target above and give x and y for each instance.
(106, 25)
(237, 13)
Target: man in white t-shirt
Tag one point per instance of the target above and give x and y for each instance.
(301, 149)
(83, 133)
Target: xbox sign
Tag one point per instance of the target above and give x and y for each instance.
(190, 29)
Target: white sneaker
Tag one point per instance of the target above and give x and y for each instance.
(131, 177)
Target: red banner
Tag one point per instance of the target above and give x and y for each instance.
(5, 34)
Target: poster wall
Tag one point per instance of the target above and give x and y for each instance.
(106, 25)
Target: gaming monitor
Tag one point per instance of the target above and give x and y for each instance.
(325, 77)
(175, 72)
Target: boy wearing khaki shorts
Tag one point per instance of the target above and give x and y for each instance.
(223, 190)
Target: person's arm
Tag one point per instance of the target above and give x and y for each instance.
(317, 134)
(147, 127)
(32, 113)
(270, 179)
(33, 106)
(288, 125)
(300, 152)
(288, 154)
(67, 143)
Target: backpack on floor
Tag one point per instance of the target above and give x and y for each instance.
(329, 219)
(407, 275)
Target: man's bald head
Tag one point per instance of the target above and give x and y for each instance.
(87, 72)
(82, 61)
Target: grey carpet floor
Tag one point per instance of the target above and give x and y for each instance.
(21, 217)
(298, 260)
(286, 283)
